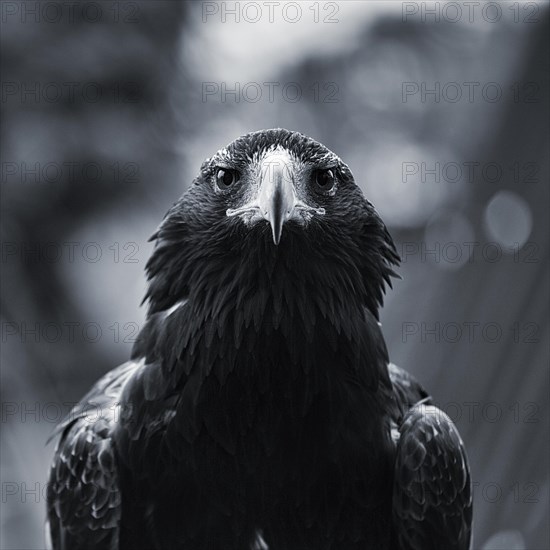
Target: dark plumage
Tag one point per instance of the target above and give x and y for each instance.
(259, 408)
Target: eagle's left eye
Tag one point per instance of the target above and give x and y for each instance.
(324, 179)
(225, 178)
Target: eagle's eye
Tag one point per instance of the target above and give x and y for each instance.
(324, 179)
(225, 178)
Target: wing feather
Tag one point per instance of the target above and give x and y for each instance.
(84, 499)
(432, 501)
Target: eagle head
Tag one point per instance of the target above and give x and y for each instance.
(273, 206)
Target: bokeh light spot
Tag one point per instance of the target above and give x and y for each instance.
(508, 219)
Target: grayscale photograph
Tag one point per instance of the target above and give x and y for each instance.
(275, 275)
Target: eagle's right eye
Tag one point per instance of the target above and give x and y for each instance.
(225, 178)
(324, 179)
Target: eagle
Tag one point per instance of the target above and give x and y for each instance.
(259, 409)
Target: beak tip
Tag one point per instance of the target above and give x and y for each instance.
(277, 237)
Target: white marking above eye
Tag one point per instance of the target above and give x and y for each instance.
(278, 158)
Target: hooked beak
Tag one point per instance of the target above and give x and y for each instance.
(277, 199)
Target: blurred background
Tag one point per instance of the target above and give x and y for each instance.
(440, 110)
